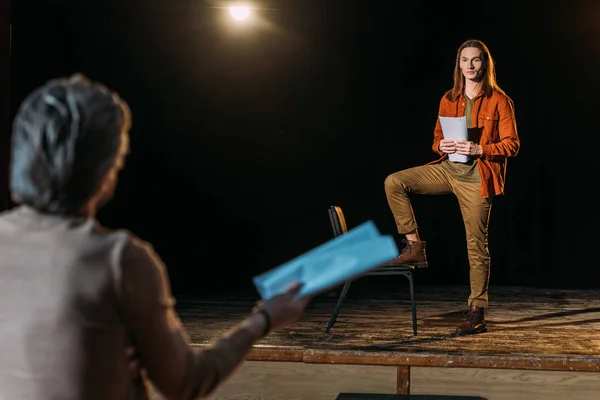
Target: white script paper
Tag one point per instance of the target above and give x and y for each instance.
(455, 128)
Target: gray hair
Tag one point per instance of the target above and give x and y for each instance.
(67, 135)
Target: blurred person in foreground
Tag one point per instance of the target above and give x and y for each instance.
(76, 297)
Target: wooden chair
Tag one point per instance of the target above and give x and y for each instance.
(339, 227)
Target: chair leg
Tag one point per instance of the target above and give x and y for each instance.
(338, 305)
(413, 308)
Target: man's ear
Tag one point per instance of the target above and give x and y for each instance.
(15, 199)
(103, 186)
(106, 181)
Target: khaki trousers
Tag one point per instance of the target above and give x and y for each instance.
(435, 179)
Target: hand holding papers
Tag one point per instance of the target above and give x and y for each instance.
(455, 128)
(342, 258)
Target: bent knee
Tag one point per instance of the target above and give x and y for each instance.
(392, 182)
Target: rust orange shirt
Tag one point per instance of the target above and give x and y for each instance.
(494, 120)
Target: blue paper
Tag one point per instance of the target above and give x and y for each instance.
(343, 258)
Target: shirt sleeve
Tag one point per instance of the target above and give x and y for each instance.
(176, 369)
(438, 134)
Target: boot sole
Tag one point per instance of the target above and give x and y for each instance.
(482, 329)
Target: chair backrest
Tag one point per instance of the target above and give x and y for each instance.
(338, 222)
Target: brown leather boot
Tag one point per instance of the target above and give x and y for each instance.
(474, 322)
(412, 254)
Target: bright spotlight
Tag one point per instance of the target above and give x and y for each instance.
(239, 12)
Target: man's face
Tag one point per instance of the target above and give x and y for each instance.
(471, 63)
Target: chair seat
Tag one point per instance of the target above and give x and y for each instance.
(390, 269)
(404, 267)
(411, 267)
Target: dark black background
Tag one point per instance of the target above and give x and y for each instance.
(243, 137)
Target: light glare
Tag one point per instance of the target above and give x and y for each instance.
(239, 13)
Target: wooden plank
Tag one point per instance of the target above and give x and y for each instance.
(533, 362)
(276, 354)
(403, 380)
(311, 356)
(267, 353)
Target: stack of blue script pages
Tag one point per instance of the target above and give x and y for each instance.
(343, 258)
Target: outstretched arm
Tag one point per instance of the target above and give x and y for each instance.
(176, 369)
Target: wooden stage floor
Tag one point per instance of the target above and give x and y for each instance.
(529, 328)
